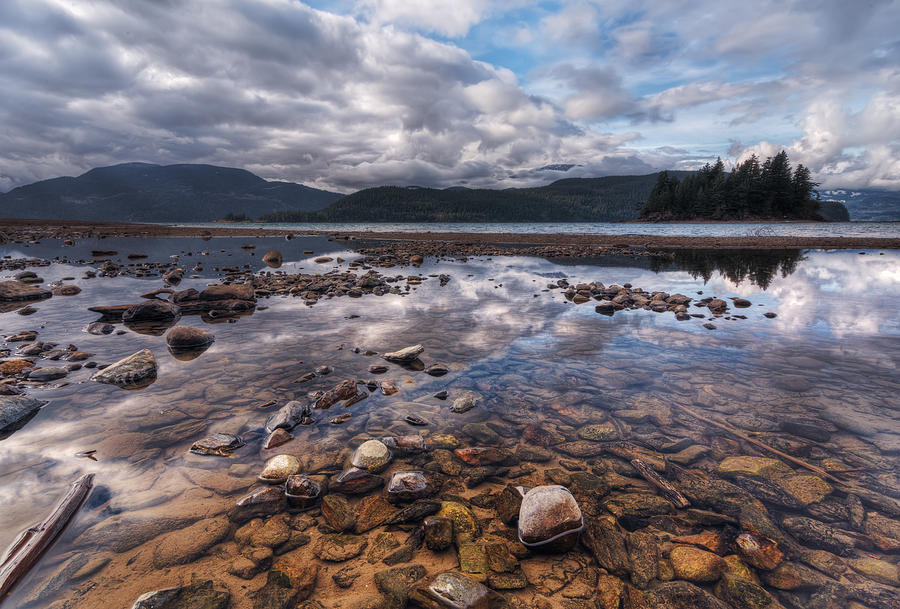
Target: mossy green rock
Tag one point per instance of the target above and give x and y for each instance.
(602, 432)
(805, 488)
(696, 565)
(880, 571)
(465, 525)
(740, 592)
(473, 558)
(760, 467)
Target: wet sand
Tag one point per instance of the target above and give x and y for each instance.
(25, 229)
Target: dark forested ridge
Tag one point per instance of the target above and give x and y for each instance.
(142, 192)
(608, 199)
(768, 191)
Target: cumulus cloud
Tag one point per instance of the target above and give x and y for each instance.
(273, 86)
(435, 93)
(446, 18)
(844, 148)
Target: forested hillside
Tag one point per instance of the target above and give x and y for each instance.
(608, 199)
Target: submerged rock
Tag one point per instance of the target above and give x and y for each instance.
(342, 391)
(465, 402)
(395, 583)
(99, 328)
(188, 337)
(549, 517)
(288, 583)
(273, 259)
(405, 445)
(452, 590)
(696, 565)
(436, 370)
(44, 375)
(404, 355)
(408, 486)
(339, 547)
(219, 444)
(438, 533)
(15, 411)
(66, 290)
(277, 438)
(338, 513)
(302, 492)
(198, 595)
(465, 525)
(16, 290)
(372, 456)
(278, 468)
(289, 416)
(151, 310)
(136, 370)
(188, 544)
(263, 501)
(355, 481)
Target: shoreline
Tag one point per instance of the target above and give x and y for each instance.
(27, 229)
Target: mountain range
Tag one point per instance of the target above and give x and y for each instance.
(607, 199)
(143, 192)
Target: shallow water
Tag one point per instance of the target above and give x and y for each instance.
(667, 229)
(830, 355)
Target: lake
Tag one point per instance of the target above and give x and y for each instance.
(679, 229)
(562, 395)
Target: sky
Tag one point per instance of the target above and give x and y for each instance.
(346, 94)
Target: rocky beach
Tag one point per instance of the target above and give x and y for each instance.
(346, 420)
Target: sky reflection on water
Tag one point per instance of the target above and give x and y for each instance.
(836, 307)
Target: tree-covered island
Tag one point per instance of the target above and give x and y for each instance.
(771, 190)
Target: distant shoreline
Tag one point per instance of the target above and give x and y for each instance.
(25, 229)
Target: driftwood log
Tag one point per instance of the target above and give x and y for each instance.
(28, 547)
(666, 488)
(813, 468)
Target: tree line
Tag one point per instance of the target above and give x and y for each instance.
(753, 190)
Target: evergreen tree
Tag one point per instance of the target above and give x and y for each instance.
(751, 190)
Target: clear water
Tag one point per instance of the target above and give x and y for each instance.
(532, 355)
(681, 229)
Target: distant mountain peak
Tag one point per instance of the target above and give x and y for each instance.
(558, 167)
(146, 192)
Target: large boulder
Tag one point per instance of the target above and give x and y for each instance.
(550, 518)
